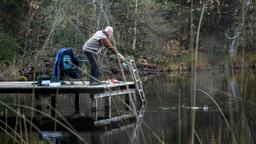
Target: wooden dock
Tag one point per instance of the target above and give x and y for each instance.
(76, 87)
(96, 92)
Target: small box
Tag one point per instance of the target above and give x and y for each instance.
(45, 82)
(55, 84)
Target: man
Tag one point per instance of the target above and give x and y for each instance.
(92, 48)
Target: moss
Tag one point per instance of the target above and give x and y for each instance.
(23, 78)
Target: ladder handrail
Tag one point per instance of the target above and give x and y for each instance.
(135, 74)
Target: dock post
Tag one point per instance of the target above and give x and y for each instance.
(127, 102)
(38, 102)
(94, 105)
(53, 105)
(108, 107)
(77, 108)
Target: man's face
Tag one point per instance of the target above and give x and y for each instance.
(110, 33)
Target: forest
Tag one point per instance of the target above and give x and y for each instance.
(163, 35)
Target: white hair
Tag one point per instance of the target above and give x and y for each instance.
(109, 30)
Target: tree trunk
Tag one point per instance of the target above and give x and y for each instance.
(135, 25)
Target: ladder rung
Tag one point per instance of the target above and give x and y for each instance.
(136, 77)
(136, 74)
(139, 81)
(139, 84)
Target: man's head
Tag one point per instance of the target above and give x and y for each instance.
(109, 30)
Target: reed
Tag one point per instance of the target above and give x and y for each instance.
(8, 106)
(179, 118)
(54, 119)
(154, 133)
(6, 121)
(192, 68)
(16, 121)
(10, 135)
(18, 115)
(62, 117)
(143, 135)
(198, 138)
(193, 112)
(222, 114)
(7, 127)
(25, 127)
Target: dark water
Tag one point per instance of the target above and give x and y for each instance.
(169, 108)
(167, 116)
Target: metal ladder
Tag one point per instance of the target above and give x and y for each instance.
(135, 74)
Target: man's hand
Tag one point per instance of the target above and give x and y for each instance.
(121, 56)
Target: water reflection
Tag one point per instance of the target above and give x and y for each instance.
(59, 138)
(129, 133)
(167, 115)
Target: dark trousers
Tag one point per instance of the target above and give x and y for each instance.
(94, 63)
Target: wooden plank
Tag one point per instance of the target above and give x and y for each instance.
(28, 87)
(53, 105)
(38, 104)
(94, 105)
(114, 93)
(108, 107)
(119, 130)
(113, 119)
(127, 101)
(77, 108)
(31, 84)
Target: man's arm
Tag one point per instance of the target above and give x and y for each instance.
(106, 43)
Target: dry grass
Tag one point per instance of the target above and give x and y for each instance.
(10, 72)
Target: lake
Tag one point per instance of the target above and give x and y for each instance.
(223, 112)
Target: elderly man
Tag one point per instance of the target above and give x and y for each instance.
(92, 48)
